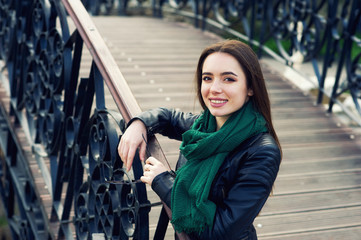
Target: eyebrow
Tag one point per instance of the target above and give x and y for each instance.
(224, 73)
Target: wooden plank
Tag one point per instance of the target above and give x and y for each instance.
(307, 225)
(342, 233)
(315, 151)
(320, 165)
(312, 201)
(316, 136)
(307, 183)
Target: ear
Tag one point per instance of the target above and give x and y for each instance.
(250, 92)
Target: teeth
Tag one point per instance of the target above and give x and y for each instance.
(218, 101)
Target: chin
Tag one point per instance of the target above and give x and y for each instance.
(218, 114)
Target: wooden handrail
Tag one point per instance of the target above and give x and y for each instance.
(118, 87)
(105, 62)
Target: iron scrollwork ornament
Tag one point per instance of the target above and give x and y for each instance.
(120, 211)
(298, 28)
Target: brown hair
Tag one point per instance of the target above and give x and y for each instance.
(252, 70)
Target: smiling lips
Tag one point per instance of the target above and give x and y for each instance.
(217, 102)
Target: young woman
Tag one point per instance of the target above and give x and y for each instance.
(229, 155)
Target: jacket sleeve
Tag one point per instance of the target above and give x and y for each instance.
(162, 185)
(168, 122)
(245, 198)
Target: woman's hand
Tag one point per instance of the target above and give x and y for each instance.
(152, 168)
(132, 140)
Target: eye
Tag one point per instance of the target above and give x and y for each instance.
(229, 79)
(206, 78)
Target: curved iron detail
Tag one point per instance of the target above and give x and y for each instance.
(37, 81)
(73, 141)
(95, 6)
(350, 55)
(7, 12)
(354, 73)
(22, 202)
(110, 200)
(298, 27)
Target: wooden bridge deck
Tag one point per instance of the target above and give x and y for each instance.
(318, 190)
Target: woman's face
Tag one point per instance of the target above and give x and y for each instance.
(224, 86)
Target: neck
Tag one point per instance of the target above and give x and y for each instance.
(220, 122)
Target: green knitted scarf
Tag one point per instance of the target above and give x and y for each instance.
(205, 149)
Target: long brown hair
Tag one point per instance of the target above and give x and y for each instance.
(252, 70)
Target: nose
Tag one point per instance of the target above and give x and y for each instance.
(216, 86)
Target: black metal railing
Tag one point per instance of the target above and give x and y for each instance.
(323, 33)
(58, 140)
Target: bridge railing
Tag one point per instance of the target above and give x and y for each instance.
(323, 33)
(58, 140)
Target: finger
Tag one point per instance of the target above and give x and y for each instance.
(142, 151)
(119, 147)
(148, 161)
(125, 153)
(130, 157)
(149, 167)
(145, 179)
(122, 152)
(151, 161)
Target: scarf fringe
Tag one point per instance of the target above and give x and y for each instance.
(197, 225)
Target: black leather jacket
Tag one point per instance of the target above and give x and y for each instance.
(241, 186)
